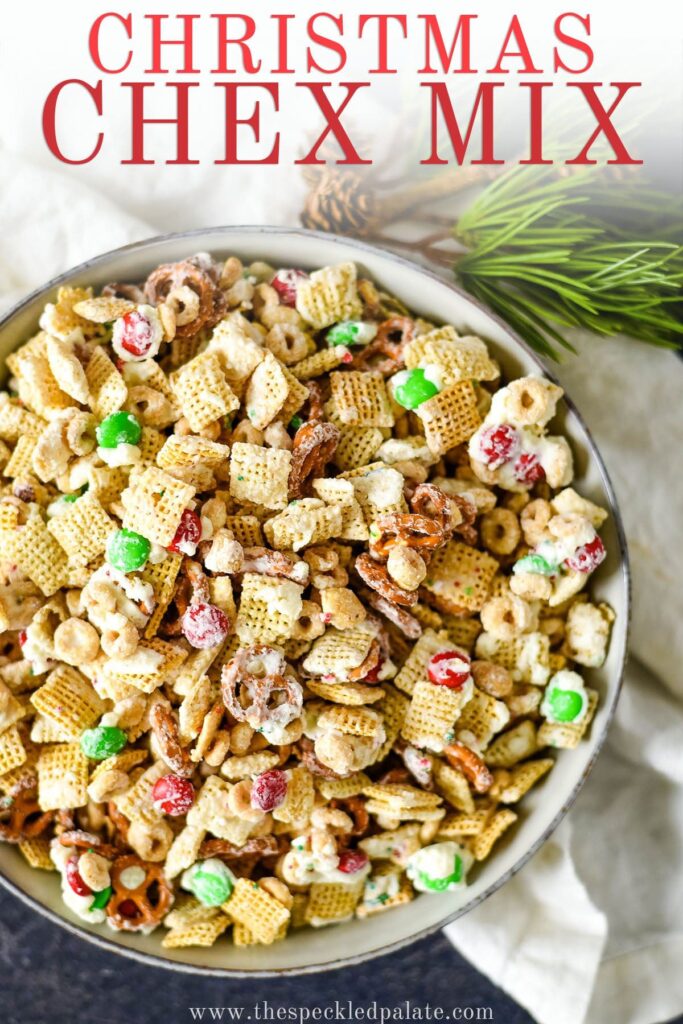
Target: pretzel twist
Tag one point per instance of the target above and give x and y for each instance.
(133, 910)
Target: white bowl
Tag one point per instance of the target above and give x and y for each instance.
(542, 810)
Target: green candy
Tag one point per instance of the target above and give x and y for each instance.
(119, 428)
(350, 332)
(565, 705)
(101, 898)
(210, 881)
(535, 564)
(296, 422)
(102, 742)
(441, 884)
(413, 387)
(127, 550)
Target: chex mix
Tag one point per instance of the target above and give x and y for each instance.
(293, 600)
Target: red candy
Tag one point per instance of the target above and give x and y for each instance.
(74, 879)
(588, 557)
(351, 861)
(528, 469)
(188, 534)
(173, 795)
(373, 674)
(205, 625)
(128, 908)
(23, 637)
(137, 334)
(499, 445)
(449, 668)
(285, 284)
(269, 789)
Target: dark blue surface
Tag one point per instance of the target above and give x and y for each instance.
(49, 977)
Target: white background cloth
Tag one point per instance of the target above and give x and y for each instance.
(592, 929)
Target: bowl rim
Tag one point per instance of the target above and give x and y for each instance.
(352, 959)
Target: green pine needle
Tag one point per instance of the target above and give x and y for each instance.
(550, 253)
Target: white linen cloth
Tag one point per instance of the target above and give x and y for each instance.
(591, 931)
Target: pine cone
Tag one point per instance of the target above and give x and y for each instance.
(339, 203)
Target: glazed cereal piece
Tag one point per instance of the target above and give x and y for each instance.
(511, 447)
(454, 358)
(459, 578)
(260, 475)
(154, 505)
(510, 787)
(441, 867)
(587, 633)
(328, 296)
(386, 888)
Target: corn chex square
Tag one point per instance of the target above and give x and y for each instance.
(11, 710)
(15, 420)
(432, 714)
(82, 530)
(62, 777)
(69, 700)
(162, 577)
(297, 395)
(453, 786)
(33, 548)
(268, 608)
(378, 489)
(20, 463)
(108, 390)
(36, 852)
(184, 850)
(522, 778)
(459, 577)
(320, 362)
(260, 475)
(201, 932)
(351, 721)
(154, 505)
(257, 910)
(246, 530)
(146, 669)
(457, 358)
(203, 392)
(337, 653)
(38, 386)
(305, 521)
(357, 446)
(513, 746)
(361, 399)
(482, 844)
(239, 353)
(526, 657)
(329, 295)
(136, 803)
(12, 752)
(415, 668)
(300, 798)
(482, 717)
(450, 417)
(394, 709)
(179, 452)
(331, 902)
(266, 391)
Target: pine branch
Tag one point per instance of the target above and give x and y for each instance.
(549, 252)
